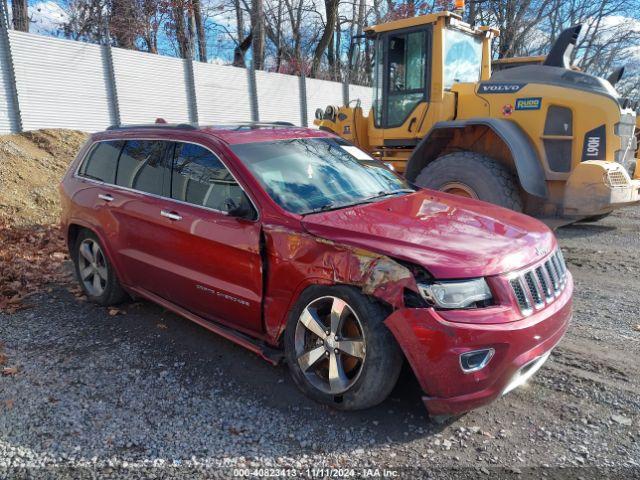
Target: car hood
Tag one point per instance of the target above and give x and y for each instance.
(450, 236)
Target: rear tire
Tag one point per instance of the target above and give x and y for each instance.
(94, 272)
(471, 172)
(362, 378)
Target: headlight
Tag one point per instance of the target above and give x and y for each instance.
(455, 294)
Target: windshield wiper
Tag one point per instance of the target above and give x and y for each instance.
(325, 208)
(332, 206)
(388, 193)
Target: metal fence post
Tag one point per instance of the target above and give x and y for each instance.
(345, 92)
(8, 70)
(253, 93)
(110, 80)
(303, 99)
(190, 80)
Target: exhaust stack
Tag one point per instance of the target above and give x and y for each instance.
(616, 75)
(560, 54)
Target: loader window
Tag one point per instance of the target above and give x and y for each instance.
(462, 57)
(406, 75)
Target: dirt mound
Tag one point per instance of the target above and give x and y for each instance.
(31, 166)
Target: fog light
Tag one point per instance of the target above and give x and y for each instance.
(478, 359)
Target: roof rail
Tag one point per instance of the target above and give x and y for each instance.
(173, 126)
(278, 123)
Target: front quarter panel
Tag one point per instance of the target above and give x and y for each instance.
(297, 260)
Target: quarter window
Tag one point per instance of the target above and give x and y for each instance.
(142, 166)
(102, 162)
(200, 178)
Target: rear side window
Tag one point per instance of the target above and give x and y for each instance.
(142, 166)
(102, 161)
(200, 178)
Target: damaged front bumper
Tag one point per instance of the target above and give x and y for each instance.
(433, 344)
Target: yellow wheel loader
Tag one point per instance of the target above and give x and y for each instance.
(545, 139)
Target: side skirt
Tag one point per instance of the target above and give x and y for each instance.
(270, 354)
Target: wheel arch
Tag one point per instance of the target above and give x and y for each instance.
(479, 135)
(73, 230)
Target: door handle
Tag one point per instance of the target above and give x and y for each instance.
(171, 215)
(106, 198)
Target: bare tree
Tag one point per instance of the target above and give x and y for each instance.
(199, 27)
(20, 15)
(179, 27)
(258, 34)
(124, 23)
(331, 13)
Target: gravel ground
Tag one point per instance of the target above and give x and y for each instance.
(145, 393)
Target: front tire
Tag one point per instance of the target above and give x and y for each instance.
(94, 272)
(338, 349)
(472, 175)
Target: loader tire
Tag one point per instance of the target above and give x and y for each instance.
(473, 175)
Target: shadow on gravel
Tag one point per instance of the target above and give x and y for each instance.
(583, 230)
(142, 372)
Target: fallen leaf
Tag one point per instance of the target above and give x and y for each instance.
(31, 260)
(161, 326)
(115, 311)
(637, 327)
(6, 371)
(9, 404)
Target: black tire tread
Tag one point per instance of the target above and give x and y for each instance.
(440, 171)
(114, 293)
(384, 357)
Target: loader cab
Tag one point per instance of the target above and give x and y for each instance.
(416, 63)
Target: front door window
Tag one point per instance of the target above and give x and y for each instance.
(406, 85)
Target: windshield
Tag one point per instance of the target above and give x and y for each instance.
(462, 57)
(306, 175)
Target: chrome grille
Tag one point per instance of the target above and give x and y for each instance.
(539, 286)
(544, 283)
(521, 296)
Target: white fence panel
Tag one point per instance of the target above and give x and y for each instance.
(222, 93)
(321, 93)
(150, 86)
(5, 100)
(278, 97)
(64, 84)
(61, 83)
(364, 94)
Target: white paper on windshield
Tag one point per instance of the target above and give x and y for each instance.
(356, 152)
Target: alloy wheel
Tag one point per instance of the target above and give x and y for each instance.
(92, 267)
(329, 344)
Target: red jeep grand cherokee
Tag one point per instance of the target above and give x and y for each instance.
(296, 244)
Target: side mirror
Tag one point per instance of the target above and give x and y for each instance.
(241, 210)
